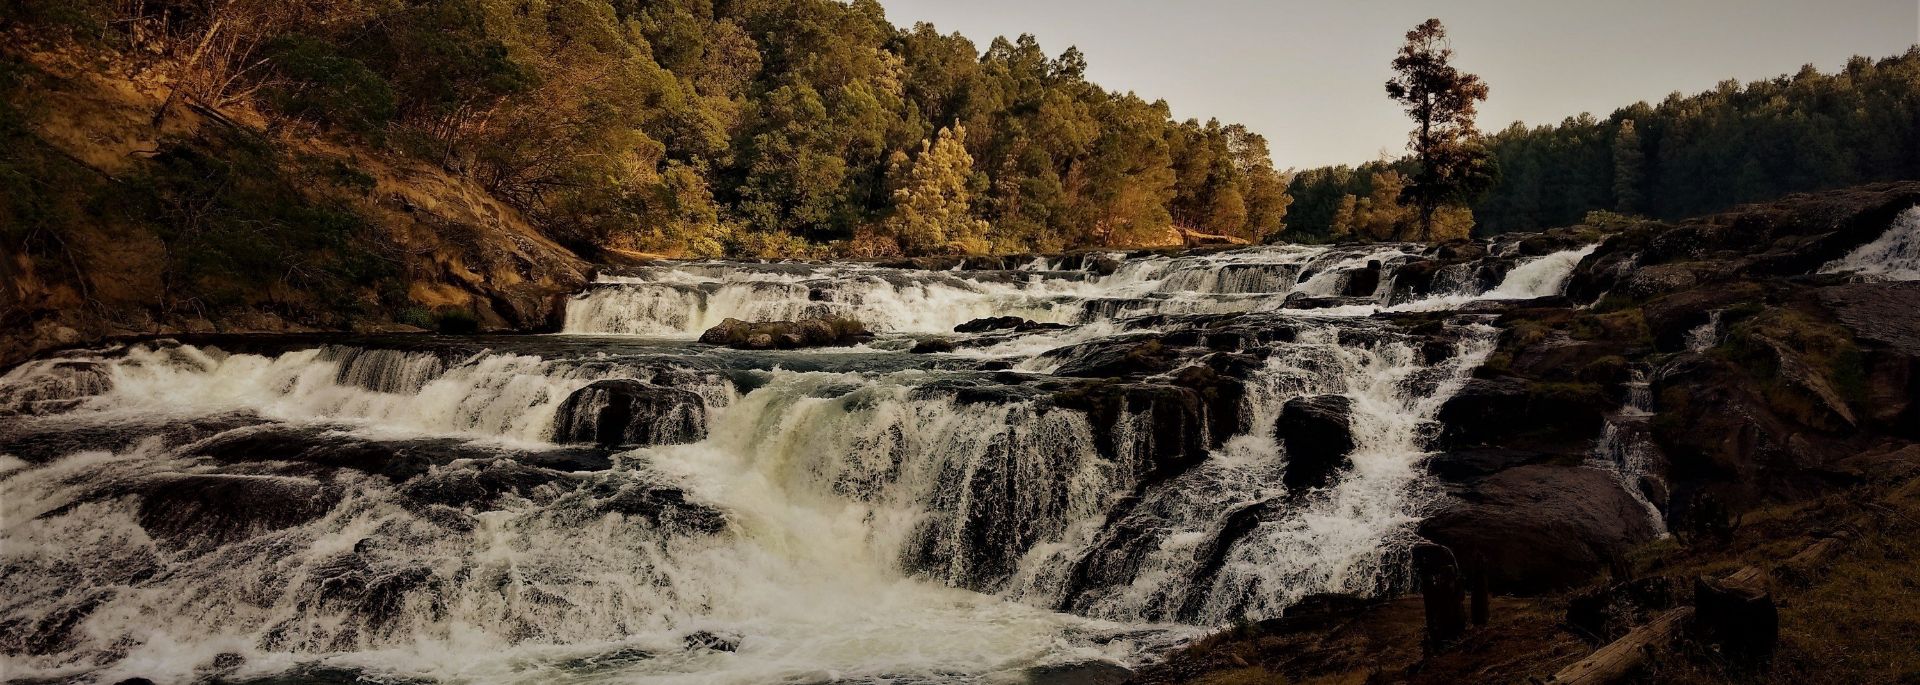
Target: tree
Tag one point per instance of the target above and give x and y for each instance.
(1629, 168)
(931, 205)
(1452, 165)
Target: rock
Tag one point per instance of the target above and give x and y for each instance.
(1006, 323)
(1116, 357)
(707, 640)
(1540, 528)
(621, 412)
(480, 482)
(1472, 464)
(1086, 673)
(1176, 435)
(1318, 434)
(830, 331)
(933, 346)
(1306, 301)
(53, 386)
(201, 511)
(1516, 413)
(1362, 282)
(318, 451)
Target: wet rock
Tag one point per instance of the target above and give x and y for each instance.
(54, 386)
(1471, 464)
(1306, 301)
(203, 511)
(1225, 395)
(53, 631)
(42, 440)
(1088, 673)
(1517, 413)
(365, 587)
(1540, 528)
(787, 335)
(481, 482)
(1318, 434)
(1006, 323)
(623, 412)
(1175, 433)
(933, 346)
(1116, 357)
(642, 498)
(707, 640)
(321, 450)
(1362, 282)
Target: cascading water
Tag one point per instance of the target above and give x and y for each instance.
(446, 509)
(1894, 256)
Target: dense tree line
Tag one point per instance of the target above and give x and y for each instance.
(716, 126)
(1685, 156)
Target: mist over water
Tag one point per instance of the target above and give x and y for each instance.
(402, 509)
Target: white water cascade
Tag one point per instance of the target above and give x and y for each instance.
(400, 509)
(1894, 256)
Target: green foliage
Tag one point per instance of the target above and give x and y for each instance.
(316, 81)
(235, 228)
(1686, 155)
(454, 321)
(931, 205)
(1451, 165)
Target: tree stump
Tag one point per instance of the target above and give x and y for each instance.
(1444, 594)
(1738, 617)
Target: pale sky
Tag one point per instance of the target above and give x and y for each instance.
(1309, 75)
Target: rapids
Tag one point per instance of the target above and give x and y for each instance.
(401, 508)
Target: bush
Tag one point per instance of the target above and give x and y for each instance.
(315, 81)
(450, 321)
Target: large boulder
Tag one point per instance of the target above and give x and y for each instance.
(831, 331)
(1116, 357)
(1318, 434)
(53, 386)
(1518, 413)
(620, 412)
(1541, 528)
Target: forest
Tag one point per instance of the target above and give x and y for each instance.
(817, 128)
(1685, 156)
(694, 127)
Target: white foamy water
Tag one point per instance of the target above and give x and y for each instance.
(862, 516)
(1894, 256)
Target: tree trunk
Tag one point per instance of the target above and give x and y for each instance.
(1440, 586)
(206, 39)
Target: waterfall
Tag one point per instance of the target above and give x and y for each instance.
(1894, 256)
(403, 509)
(1626, 448)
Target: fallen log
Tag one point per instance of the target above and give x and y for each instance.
(1622, 657)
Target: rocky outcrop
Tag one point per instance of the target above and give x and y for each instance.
(787, 335)
(1541, 528)
(1318, 434)
(624, 412)
(1006, 323)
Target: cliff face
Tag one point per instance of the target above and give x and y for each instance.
(144, 224)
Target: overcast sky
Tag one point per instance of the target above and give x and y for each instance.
(1309, 75)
